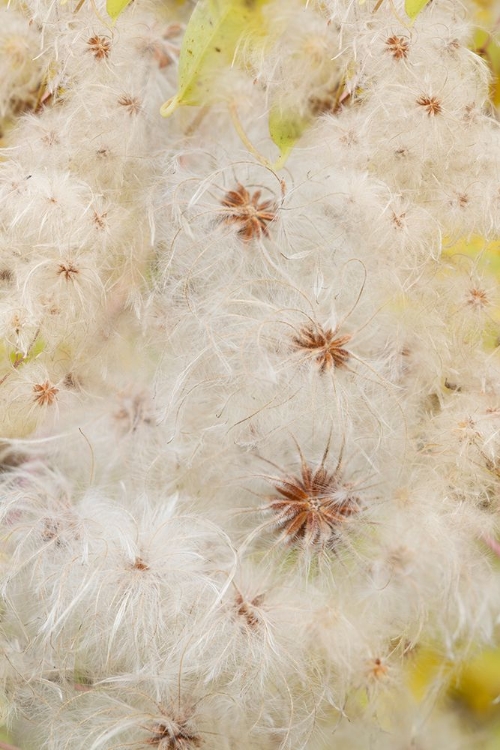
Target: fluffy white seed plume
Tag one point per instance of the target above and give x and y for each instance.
(22, 68)
(250, 454)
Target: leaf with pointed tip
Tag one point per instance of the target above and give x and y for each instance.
(18, 359)
(414, 7)
(211, 42)
(116, 7)
(285, 128)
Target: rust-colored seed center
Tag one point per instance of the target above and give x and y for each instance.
(99, 46)
(100, 219)
(325, 347)
(248, 610)
(310, 508)
(139, 564)
(45, 393)
(398, 47)
(248, 212)
(67, 270)
(431, 104)
(477, 298)
(173, 736)
(398, 220)
(131, 103)
(378, 669)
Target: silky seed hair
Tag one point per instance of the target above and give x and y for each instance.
(182, 306)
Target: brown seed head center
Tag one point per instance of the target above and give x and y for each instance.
(248, 212)
(132, 104)
(99, 46)
(398, 47)
(67, 270)
(324, 346)
(45, 393)
(248, 610)
(431, 104)
(477, 298)
(139, 564)
(378, 670)
(311, 507)
(173, 736)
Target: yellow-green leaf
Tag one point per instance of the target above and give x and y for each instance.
(5, 736)
(414, 7)
(116, 7)
(487, 45)
(210, 45)
(285, 128)
(18, 359)
(478, 683)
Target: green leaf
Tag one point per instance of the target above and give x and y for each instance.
(5, 736)
(285, 128)
(210, 45)
(116, 7)
(414, 7)
(18, 359)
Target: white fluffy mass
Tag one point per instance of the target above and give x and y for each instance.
(249, 416)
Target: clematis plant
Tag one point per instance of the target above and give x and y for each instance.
(250, 375)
